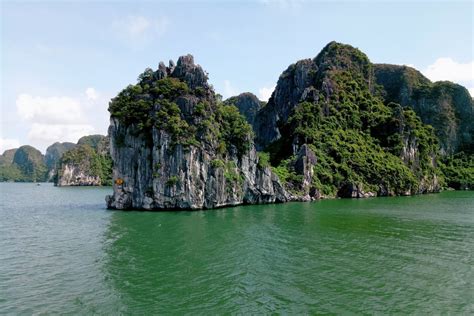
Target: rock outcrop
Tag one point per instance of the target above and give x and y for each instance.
(327, 131)
(330, 103)
(7, 157)
(9, 171)
(248, 105)
(293, 86)
(188, 151)
(53, 155)
(29, 161)
(87, 164)
(303, 165)
(24, 164)
(72, 174)
(446, 106)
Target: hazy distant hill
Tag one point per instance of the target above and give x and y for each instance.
(27, 164)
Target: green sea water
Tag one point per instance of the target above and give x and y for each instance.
(62, 252)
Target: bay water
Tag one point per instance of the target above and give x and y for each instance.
(62, 252)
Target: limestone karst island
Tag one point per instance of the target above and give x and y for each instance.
(336, 125)
(244, 157)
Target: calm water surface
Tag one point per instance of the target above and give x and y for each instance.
(61, 251)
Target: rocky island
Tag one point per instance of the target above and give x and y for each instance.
(174, 144)
(86, 163)
(335, 126)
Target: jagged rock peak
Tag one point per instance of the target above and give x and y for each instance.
(341, 56)
(189, 72)
(248, 105)
(307, 80)
(185, 70)
(174, 145)
(447, 106)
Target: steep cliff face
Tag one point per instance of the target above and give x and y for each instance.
(448, 107)
(87, 164)
(248, 105)
(293, 86)
(328, 130)
(29, 161)
(7, 157)
(175, 146)
(9, 171)
(72, 174)
(24, 164)
(309, 80)
(173, 176)
(53, 156)
(364, 146)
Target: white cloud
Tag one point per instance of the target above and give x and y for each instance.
(61, 118)
(229, 90)
(48, 110)
(92, 94)
(265, 93)
(46, 134)
(448, 69)
(8, 143)
(139, 30)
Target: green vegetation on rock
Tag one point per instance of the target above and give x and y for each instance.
(96, 142)
(357, 138)
(263, 159)
(458, 170)
(447, 106)
(159, 103)
(335, 126)
(87, 160)
(25, 164)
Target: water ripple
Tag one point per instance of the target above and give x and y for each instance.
(62, 252)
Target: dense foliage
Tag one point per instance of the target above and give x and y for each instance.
(94, 141)
(357, 138)
(154, 103)
(54, 153)
(25, 164)
(447, 106)
(360, 138)
(12, 173)
(459, 171)
(88, 159)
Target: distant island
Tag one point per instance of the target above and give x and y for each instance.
(87, 163)
(335, 126)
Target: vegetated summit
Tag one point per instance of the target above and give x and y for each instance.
(335, 126)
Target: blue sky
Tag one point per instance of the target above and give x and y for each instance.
(61, 62)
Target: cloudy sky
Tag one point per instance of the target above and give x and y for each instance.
(61, 62)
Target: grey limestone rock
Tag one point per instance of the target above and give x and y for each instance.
(151, 171)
